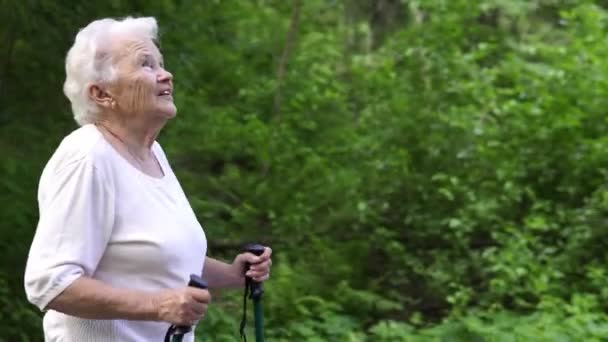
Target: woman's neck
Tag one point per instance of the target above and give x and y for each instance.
(137, 139)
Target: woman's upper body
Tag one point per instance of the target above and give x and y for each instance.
(102, 218)
(117, 239)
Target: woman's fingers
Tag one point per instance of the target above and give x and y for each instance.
(261, 271)
(267, 253)
(255, 260)
(199, 309)
(261, 278)
(199, 295)
(183, 306)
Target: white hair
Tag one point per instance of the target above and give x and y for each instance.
(89, 61)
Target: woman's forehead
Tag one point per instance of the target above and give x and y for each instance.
(134, 46)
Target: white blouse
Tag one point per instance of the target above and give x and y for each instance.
(102, 218)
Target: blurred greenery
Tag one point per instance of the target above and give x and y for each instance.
(425, 170)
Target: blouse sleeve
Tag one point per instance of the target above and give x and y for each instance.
(76, 220)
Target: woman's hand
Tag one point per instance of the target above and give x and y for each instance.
(184, 306)
(259, 266)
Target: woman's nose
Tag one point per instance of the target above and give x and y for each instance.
(164, 75)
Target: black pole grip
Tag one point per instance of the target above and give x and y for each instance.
(255, 249)
(198, 282)
(256, 288)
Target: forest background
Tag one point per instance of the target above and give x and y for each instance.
(424, 170)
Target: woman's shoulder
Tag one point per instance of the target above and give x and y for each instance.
(81, 154)
(85, 144)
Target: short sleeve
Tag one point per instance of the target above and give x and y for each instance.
(76, 220)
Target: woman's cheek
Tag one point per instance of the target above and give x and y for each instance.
(141, 96)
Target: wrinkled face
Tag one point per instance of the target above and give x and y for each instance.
(142, 86)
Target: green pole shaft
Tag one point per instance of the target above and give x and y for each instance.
(177, 338)
(258, 317)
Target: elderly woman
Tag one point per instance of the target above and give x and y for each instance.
(117, 239)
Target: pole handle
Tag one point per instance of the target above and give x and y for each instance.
(256, 287)
(255, 249)
(254, 290)
(198, 282)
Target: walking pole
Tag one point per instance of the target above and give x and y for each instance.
(255, 293)
(176, 333)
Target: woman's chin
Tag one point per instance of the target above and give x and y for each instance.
(169, 112)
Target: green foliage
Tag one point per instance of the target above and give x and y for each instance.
(435, 172)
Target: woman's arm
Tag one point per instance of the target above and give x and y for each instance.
(93, 299)
(219, 274)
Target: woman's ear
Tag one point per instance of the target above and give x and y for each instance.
(101, 97)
